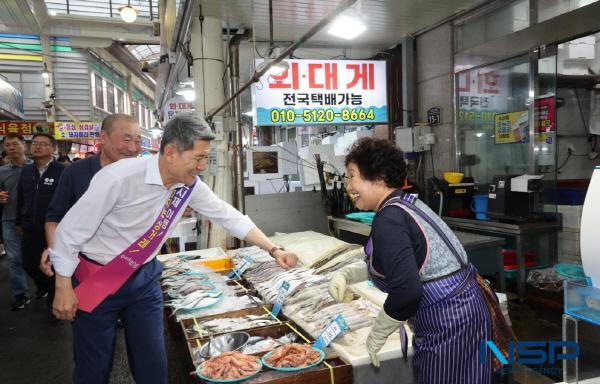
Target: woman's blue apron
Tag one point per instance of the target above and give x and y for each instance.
(452, 318)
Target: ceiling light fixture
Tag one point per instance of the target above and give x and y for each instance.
(275, 69)
(187, 91)
(46, 75)
(128, 13)
(347, 27)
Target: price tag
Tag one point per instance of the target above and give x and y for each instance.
(283, 291)
(332, 331)
(239, 269)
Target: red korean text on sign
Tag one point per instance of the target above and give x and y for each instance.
(330, 73)
(282, 81)
(365, 73)
(488, 82)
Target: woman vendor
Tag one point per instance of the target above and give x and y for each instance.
(414, 257)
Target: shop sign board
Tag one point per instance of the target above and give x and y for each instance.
(322, 92)
(511, 127)
(11, 99)
(545, 114)
(175, 106)
(68, 130)
(25, 128)
(481, 94)
(545, 128)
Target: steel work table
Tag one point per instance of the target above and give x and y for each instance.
(471, 242)
(517, 231)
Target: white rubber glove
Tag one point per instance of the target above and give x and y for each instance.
(383, 327)
(354, 273)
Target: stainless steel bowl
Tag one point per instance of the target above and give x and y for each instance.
(228, 342)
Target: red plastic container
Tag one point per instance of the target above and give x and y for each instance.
(510, 258)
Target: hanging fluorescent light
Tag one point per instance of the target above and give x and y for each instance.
(46, 75)
(276, 69)
(347, 27)
(128, 13)
(188, 93)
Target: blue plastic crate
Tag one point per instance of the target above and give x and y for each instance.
(565, 196)
(571, 196)
(582, 301)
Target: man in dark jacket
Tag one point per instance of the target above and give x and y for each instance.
(37, 184)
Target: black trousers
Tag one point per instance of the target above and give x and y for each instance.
(33, 244)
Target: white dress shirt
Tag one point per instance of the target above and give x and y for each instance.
(121, 203)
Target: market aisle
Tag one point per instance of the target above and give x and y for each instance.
(34, 349)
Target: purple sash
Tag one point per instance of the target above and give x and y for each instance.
(109, 278)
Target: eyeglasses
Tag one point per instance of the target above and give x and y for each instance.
(39, 144)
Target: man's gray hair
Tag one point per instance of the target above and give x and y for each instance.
(183, 130)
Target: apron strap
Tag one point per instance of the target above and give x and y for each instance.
(408, 201)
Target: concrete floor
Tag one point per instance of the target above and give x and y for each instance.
(34, 349)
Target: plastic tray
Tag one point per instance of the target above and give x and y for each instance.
(260, 366)
(290, 369)
(512, 273)
(186, 310)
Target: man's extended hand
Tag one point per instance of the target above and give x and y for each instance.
(285, 259)
(65, 301)
(46, 264)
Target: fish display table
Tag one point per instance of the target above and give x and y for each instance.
(247, 300)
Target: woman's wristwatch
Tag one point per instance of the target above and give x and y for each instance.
(275, 248)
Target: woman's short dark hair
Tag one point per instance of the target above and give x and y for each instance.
(378, 160)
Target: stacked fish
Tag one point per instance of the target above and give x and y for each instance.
(223, 325)
(308, 301)
(257, 344)
(357, 314)
(270, 277)
(336, 260)
(188, 290)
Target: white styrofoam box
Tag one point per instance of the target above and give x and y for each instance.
(582, 48)
(575, 67)
(186, 227)
(331, 139)
(289, 157)
(344, 143)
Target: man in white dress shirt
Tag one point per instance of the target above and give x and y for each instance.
(121, 205)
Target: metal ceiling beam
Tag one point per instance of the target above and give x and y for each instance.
(124, 56)
(341, 7)
(182, 32)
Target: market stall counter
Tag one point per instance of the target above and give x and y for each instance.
(270, 308)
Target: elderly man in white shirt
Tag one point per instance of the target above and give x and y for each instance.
(106, 245)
